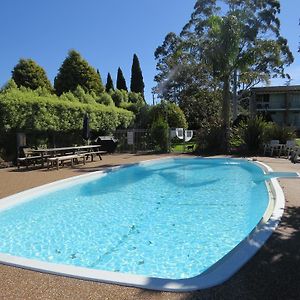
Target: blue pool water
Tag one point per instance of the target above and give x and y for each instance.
(171, 219)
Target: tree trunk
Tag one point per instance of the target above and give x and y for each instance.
(226, 115)
(234, 98)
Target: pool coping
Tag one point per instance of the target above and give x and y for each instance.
(216, 274)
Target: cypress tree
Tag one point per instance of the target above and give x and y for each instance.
(137, 82)
(109, 83)
(121, 82)
(99, 76)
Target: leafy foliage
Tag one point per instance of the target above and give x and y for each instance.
(160, 134)
(9, 85)
(209, 140)
(105, 99)
(29, 74)
(136, 98)
(281, 133)
(26, 109)
(256, 131)
(202, 109)
(138, 106)
(121, 82)
(74, 72)
(137, 82)
(253, 133)
(118, 97)
(224, 42)
(170, 112)
(84, 97)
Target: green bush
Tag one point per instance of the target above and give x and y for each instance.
(210, 140)
(134, 107)
(84, 97)
(118, 97)
(281, 133)
(105, 99)
(235, 138)
(253, 133)
(136, 98)
(69, 96)
(160, 134)
(257, 131)
(25, 109)
(170, 112)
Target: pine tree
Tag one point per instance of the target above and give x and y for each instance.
(121, 82)
(137, 83)
(109, 83)
(29, 74)
(75, 71)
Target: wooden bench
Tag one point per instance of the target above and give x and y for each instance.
(62, 159)
(87, 154)
(28, 158)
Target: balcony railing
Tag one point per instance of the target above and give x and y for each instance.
(271, 106)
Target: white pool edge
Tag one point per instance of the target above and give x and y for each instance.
(215, 275)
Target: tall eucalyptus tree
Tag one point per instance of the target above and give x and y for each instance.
(234, 41)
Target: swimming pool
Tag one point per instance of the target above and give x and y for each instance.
(163, 221)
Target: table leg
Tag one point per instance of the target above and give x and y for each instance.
(42, 155)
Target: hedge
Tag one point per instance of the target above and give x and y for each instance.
(28, 111)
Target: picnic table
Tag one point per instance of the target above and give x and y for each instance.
(54, 152)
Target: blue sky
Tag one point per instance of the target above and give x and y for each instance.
(106, 33)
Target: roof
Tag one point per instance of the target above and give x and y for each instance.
(276, 89)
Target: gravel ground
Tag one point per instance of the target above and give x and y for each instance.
(273, 273)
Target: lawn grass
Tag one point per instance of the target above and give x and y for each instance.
(182, 147)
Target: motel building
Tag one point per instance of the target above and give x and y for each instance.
(282, 103)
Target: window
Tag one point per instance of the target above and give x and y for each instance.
(263, 98)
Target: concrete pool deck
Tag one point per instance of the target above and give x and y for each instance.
(274, 272)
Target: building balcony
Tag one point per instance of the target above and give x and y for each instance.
(270, 109)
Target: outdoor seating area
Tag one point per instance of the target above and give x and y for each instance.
(289, 150)
(58, 156)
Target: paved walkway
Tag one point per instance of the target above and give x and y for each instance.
(274, 272)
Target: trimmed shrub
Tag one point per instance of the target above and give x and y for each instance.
(10, 84)
(69, 96)
(117, 97)
(105, 99)
(136, 98)
(27, 110)
(84, 97)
